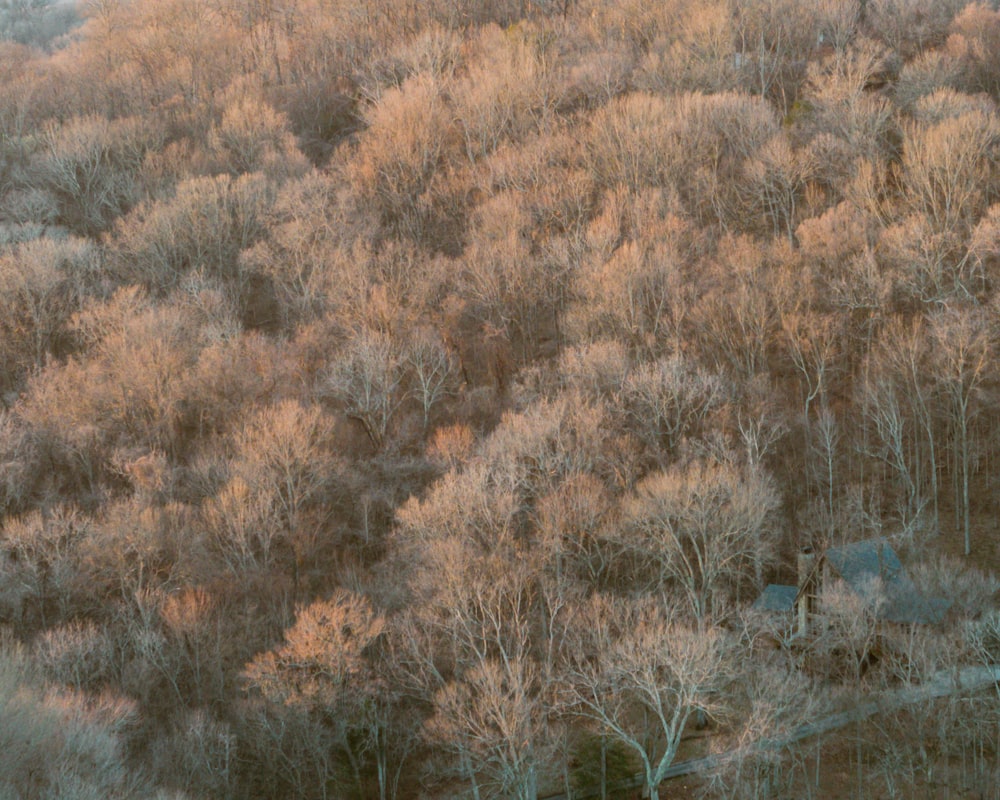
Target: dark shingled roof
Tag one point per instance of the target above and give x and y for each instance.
(776, 598)
(871, 566)
(872, 570)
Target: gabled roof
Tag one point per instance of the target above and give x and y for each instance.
(776, 598)
(872, 566)
(871, 570)
(861, 563)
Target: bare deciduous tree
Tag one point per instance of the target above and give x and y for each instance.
(974, 37)
(640, 676)
(963, 349)
(704, 530)
(38, 579)
(283, 468)
(483, 643)
(489, 718)
(776, 180)
(253, 137)
(367, 378)
(433, 369)
(734, 322)
(666, 401)
(320, 670)
(775, 38)
(398, 158)
(885, 411)
(509, 90)
(841, 107)
(694, 51)
(91, 165)
(203, 227)
(571, 520)
(852, 620)
(61, 743)
(948, 167)
(911, 26)
(813, 346)
(634, 283)
(771, 701)
(41, 282)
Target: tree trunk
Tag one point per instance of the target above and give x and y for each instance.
(965, 482)
(604, 767)
(467, 764)
(381, 760)
(352, 759)
(530, 785)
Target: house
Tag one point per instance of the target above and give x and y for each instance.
(870, 569)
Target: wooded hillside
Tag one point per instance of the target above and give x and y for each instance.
(409, 399)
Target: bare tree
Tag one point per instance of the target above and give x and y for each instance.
(203, 227)
(703, 528)
(512, 287)
(399, 156)
(489, 718)
(963, 349)
(434, 371)
(885, 411)
(813, 347)
(776, 180)
(735, 328)
(91, 165)
(41, 281)
(367, 378)
(667, 400)
(984, 252)
(320, 670)
(640, 675)
(734, 322)
(911, 26)
(774, 38)
(283, 469)
(508, 93)
(38, 575)
(974, 37)
(636, 290)
(549, 441)
(253, 137)
(131, 549)
(61, 742)
(482, 645)
(484, 639)
(34, 21)
(903, 354)
(626, 143)
(571, 522)
(948, 172)
(132, 379)
(841, 107)
(474, 504)
(772, 700)
(243, 526)
(852, 619)
(760, 427)
(927, 263)
(694, 51)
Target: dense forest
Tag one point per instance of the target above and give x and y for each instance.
(409, 398)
